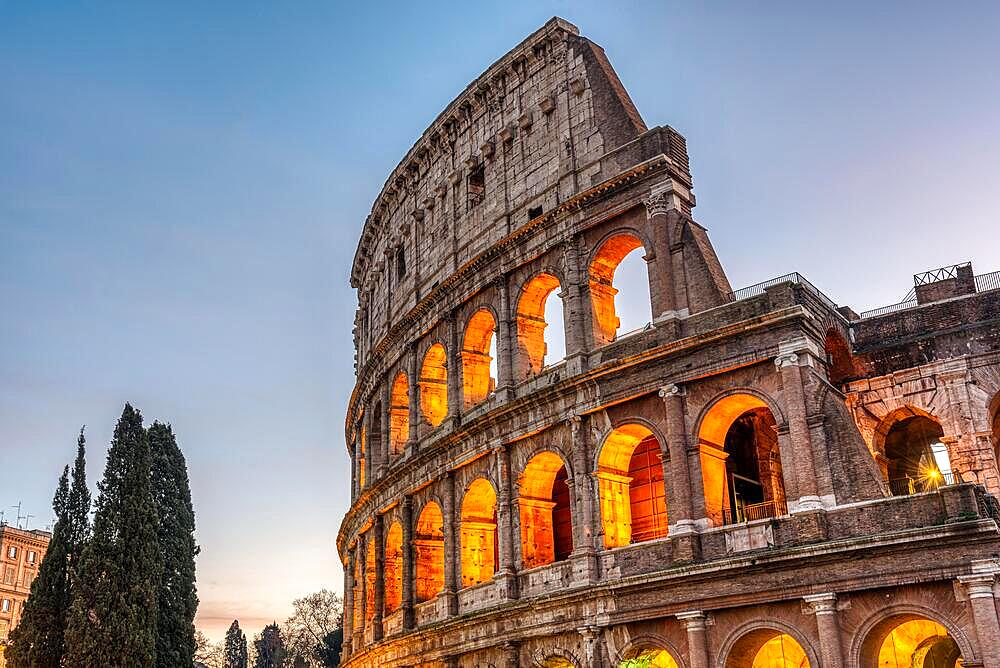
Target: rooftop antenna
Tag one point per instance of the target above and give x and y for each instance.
(17, 522)
(3, 514)
(27, 521)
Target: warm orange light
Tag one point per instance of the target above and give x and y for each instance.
(479, 533)
(393, 568)
(399, 413)
(531, 323)
(370, 580)
(434, 385)
(429, 553)
(630, 485)
(911, 642)
(536, 504)
(602, 290)
(476, 379)
(781, 651)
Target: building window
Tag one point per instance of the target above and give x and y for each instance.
(400, 263)
(6, 605)
(32, 556)
(477, 186)
(12, 552)
(8, 576)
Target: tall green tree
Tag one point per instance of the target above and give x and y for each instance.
(38, 641)
(112, 620)
(269, 648)
(177, 599)
(235, 653)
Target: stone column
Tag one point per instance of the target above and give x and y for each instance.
(454, 370)
(378, 535)
(348, 600)
(575, 297)
(584, 528)
(355, 479)
(511, 655)
(677, 472)
(824, 606)
(359, 635)
(507, 572)
(406, 595)
(413, 370)
(979, 587)
(658, 261)
(694, 623)
(592, 654)
(789, 366)
(505, 342)
(451, 548)
(384, 447)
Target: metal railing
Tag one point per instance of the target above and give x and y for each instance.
(984, 283)
(794, 277)
(907, 486)
(754, 511)
(987, 282)
(891, 308)
(939, 274)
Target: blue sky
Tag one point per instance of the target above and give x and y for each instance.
(182, 185)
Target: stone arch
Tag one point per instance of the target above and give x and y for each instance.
(741, 463)
(911, 449)
(478, 381)
(652, 647)
(478, 528)
(631, 488)
(555, 658)
(544, 506)
(604, 262)
(393, 567)
(399, 413)
(743, 645)
(531, 324)
(840, 363)
(434, 384)
(428, 548)
(871, 633)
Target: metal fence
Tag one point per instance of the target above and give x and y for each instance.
(794, 277)
(987, 282)
(907, 486)
(754, 511)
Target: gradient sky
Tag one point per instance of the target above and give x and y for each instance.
(182, 186)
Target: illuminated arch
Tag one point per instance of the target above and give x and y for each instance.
(914, 458)
(393, 577)
(774, 645)
(480, 337)
(544, 506)
(605, 263)
(362, 456)
(740, 460)
(890, 635)
(399, 413)
(358, 589)
(479, 533)
(428, 547)
(531, 337)
(648, 652)
(370, 574)
(841, 366)
(434, 385)
(630, 486)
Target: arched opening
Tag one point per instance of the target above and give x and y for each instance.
(741, 461)
(839, 358)
(537, 309)
(619, 264)
(910, 641)
(393, 568)
(429, 551)
(544, 505)
(358, 590)
(370, 574)
(362, 457)
(649, 658)
(556, 662)
(767, 648)
(478, 371)
(375, 432)
(399, 413)
(630, 485)
(434, 385)
(915, 458)
(479, 533)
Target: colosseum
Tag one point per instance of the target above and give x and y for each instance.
(757, 477)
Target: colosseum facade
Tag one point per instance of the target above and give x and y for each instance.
(756, 478)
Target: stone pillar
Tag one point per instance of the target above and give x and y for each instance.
(511, 655)
(355, 478)
(348, 600)
(451, 547)
(413, 371)
(454, 370)
(384, 447)
(506, 571)
(694, 623)
(576, 309)
(378, 535)
(583, 535)
(789, 366)
(592, 654)
(359, 635)
(824, 606)
(406, 595)
(658, 261)
(979, 587)
(677, 473)
(505, 342)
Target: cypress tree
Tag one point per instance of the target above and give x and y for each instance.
(38, 641)
(270, 648)
(177, 600)
(235, 654)
(112, 620)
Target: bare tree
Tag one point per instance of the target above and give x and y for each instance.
(313, 628)
(206, 652)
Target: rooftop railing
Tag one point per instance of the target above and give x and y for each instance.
(794, 277)
(984, 283)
